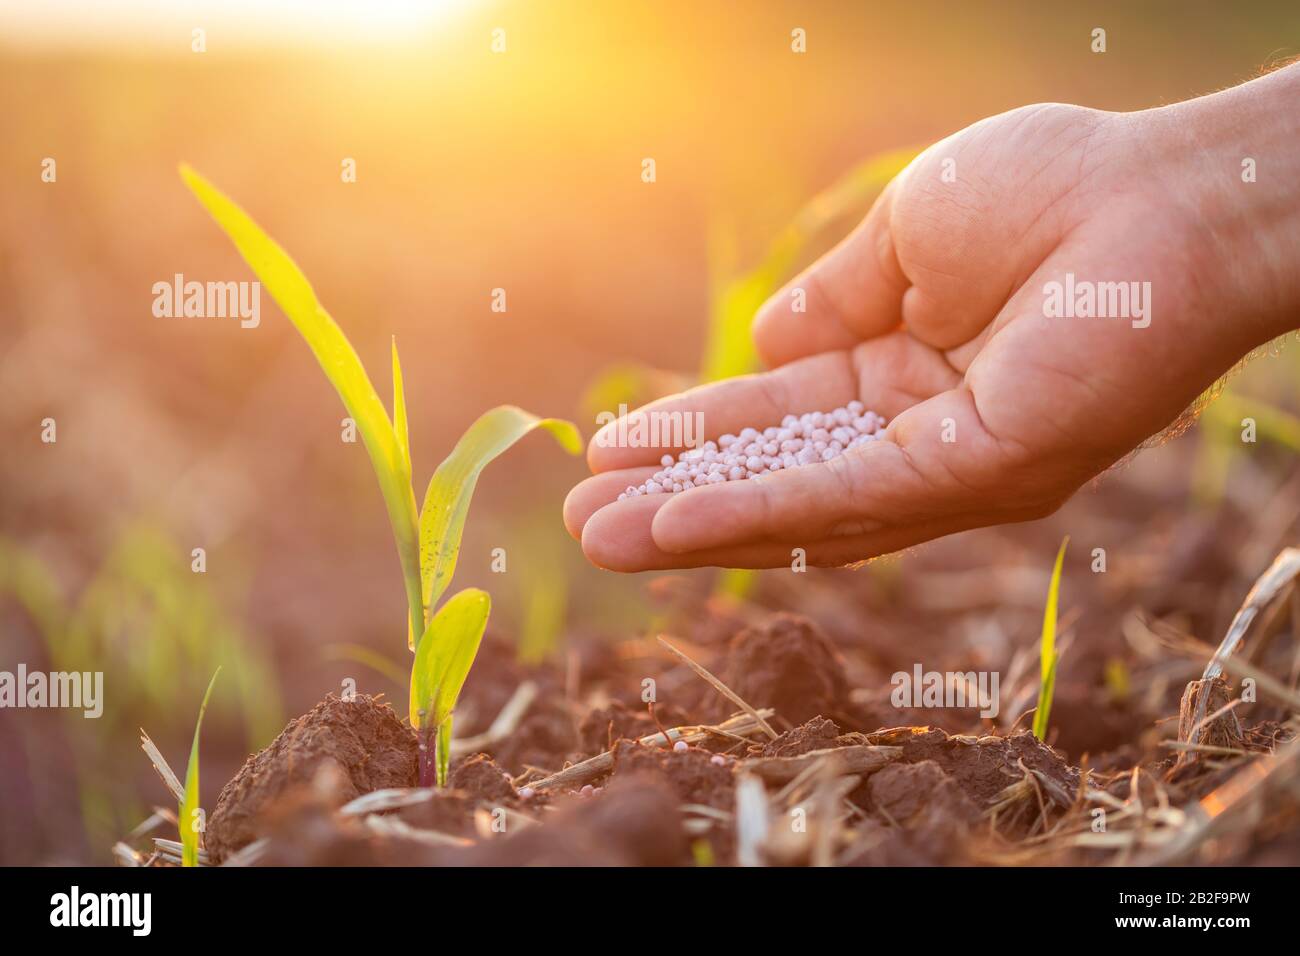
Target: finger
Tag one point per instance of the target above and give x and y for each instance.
(589, 496)
(914, 474)
(854, 292)
(618, 538)
(815, 384)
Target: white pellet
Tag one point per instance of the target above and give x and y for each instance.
(799, 440)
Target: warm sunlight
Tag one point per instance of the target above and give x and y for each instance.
(246, 23)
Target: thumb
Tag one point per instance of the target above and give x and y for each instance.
(854, 292)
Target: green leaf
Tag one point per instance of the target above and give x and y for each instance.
(443, 658)
(400, 427)
(294, 294)
(446, 502)
(189, 835)
(1047, 650)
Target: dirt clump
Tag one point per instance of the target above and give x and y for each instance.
(632, 822)
(692, 774)
(788, 664)
(982, 767)
(303, 831)
(481, 777)
(603, 726)
(446, 811)
(362, 739)
(545, 738)
(817, 734)
(920, 796)
(927, 819)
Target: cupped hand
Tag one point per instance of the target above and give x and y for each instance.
(934, 313)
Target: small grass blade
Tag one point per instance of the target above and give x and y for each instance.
(1048, 655)
(190, 803)
(294, 294)
(446, 502)
(443, 658)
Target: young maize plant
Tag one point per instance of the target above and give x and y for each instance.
(443, 639)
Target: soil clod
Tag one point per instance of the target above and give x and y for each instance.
(788, 664)
(362, 739)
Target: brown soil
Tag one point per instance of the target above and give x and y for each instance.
(693, 774)
(788, 664)
(817, 734)
(481, 777)
(904, 795)
(363, 739)
(982, 767)
(920, 796)
(928, 818)
(633, 822)
(604, 726)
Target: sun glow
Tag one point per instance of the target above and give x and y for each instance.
(242, 23)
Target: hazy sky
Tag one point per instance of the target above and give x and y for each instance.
(163, 24)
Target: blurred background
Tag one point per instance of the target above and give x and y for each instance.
(477, 170)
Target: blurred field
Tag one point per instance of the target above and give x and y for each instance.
(475, 171)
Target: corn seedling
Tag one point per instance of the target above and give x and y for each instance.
(189, 807)
(443, 639)
(1047, 653)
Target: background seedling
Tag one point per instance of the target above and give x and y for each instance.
(428, 540)
(1048, 656)
(142, 613)
(190, 803)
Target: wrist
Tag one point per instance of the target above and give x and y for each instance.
(1236, 167)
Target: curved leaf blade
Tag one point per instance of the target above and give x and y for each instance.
(190, 803)
(337, 358)
(446, 502)
(400, 427)
(443, 658)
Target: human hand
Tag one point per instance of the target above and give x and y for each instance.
(936, 313)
